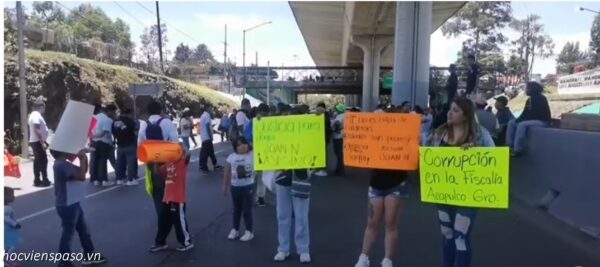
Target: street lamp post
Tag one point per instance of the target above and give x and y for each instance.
(244, 52)
(587, 9)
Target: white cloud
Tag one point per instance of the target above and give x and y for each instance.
(443, 50)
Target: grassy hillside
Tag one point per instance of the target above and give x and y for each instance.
(59, 77)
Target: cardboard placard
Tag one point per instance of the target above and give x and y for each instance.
(382, 140)
(289, 142)
(72, 132)
(476, 177)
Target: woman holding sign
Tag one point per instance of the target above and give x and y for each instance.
(460, 130)
(387, 191)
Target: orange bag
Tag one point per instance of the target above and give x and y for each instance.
(11, 165)
(152, 151)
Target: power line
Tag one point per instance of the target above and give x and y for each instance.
(180, 31)
(132, 16)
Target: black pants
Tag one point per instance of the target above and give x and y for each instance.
(338, 148)
(40, 162)
(207, 150)
(99, 171)
(72, 220)
(158, 187)
(172, 214)
(242, 197)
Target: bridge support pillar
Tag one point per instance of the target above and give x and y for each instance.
(411, 53)
(372, 47)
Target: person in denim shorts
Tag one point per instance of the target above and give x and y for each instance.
(387, 191)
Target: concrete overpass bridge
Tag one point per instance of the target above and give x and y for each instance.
(373, 35)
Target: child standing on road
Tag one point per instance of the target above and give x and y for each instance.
(11, 225)
(172, 211)
(239, 179)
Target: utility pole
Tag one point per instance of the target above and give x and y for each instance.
(225, 72)
(22, 85)
(256, 59)
(162, 68)
(268, 84)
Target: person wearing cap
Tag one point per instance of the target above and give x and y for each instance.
(38, 135)
(504, 115)
(338, 138)
(485, 118)
(103, 140)
(207, 149)
(535, 114)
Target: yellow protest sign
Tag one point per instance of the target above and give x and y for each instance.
(382, 141)
(289, 142)
(476, 177)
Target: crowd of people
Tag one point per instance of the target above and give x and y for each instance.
(114, 136)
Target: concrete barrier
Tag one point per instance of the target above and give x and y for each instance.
(567, 162)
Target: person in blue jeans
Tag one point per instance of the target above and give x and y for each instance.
(125, 130)
(461, 130)
(69, 186)
(535, 114)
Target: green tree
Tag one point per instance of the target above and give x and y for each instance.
(202, 55)
(149, 43)
(182, 53)
(569, 57)
(532, 42)
(48, 11)
(481, 22)
(515, 65)
(595, 41)
(10, 34)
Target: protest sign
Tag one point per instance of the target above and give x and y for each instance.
(289, 142)
(476, 177)
(72, 132)
(382, 141)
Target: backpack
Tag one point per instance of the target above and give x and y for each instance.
(153, 131)
(234, 130)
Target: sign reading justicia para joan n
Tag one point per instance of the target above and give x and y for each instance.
(587, 82)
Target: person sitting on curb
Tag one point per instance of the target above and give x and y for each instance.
(535, 114)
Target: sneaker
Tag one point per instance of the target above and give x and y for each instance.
(94, 260)
(515, 153)
(247, 236)
(321, 173)
(304, 258)
(45, 183)
(108, 183)
(204, 172)
(157, 248)
(261, 202)
(132, 183)
(386, 263)
(217, 167)
(37, 183)
(97, 183)
(363, 261)
(281, 256)
(233, 234)
(183, 248)
(120, 182)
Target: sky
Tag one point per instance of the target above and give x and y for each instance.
(281, 42)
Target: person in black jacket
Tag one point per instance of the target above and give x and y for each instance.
(535, 114)
(452, 84)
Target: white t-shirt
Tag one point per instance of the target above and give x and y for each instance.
(36, 118)
(205, 127)
(186, 123)
(241, 119)
(169, 131)
(104, 124)
(242, 169)
(339, 118)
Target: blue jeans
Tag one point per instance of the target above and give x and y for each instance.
(72, 220)
(186, 142)
(127, 161)
(516, 132)
(242, 197)
(286, 206)
(456, 224)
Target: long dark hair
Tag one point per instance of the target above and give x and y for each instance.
(471, 126)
